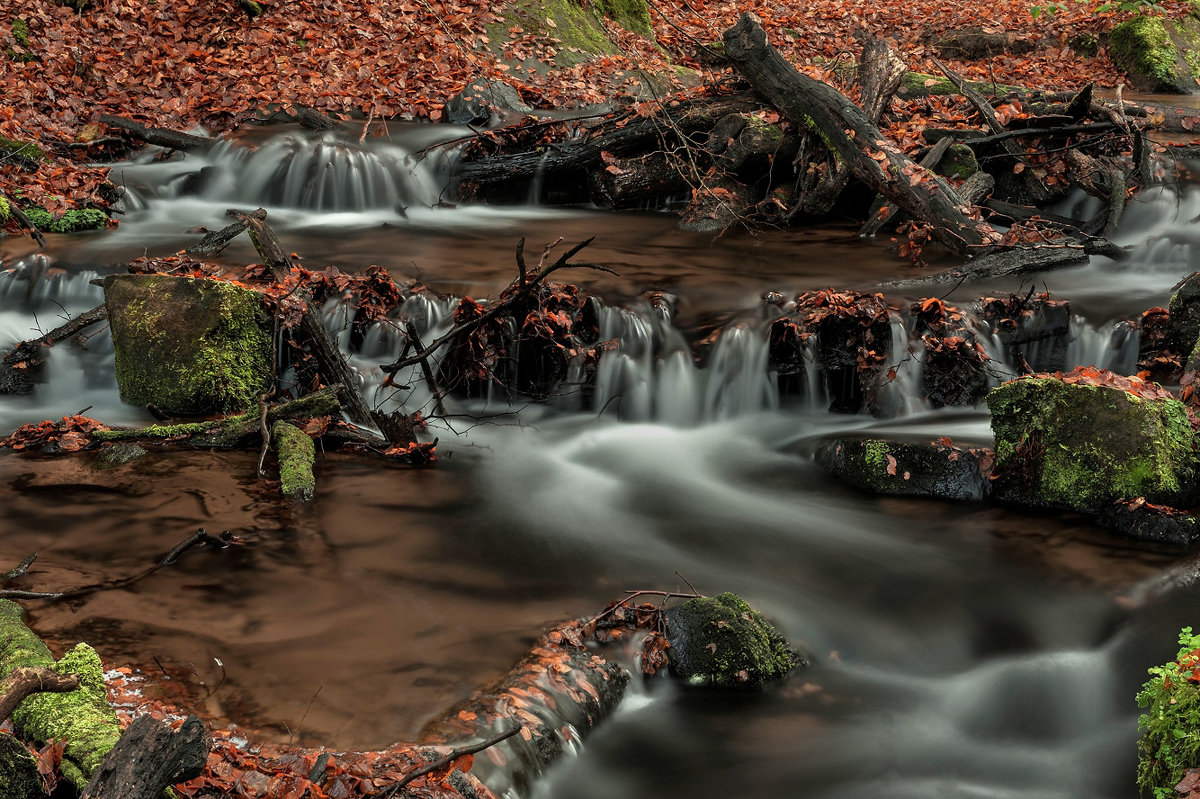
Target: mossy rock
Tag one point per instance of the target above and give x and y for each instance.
(1082, 447)
(959, 162)
(190, 347)
(19, 778)
(723, 642)
(119, 454)
(1159, 54)
(908, 469)
(296, 453)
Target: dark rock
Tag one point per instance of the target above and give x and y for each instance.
(955, 372)
(484, 100)
(15, 381)
(939, 470)
(1035, 330)
(119, 454)
(723, 642)
(1184, 319)
(1156, 523)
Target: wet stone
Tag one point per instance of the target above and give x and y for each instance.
(938, 469)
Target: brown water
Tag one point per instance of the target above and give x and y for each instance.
(961, 650)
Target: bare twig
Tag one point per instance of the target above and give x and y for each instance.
(446, 760)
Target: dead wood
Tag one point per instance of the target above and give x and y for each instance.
(314, 335)
(149, 758)
(215, 241)
(31, 351)
(163, 137)
(1052, 255)
(629, 182)
(880, 72)
(198, 539)
(614, 136)
(22, 683)
(871, 159)
(884, 211)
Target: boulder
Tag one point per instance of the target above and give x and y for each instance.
(1087, 439)
(1159, 524)
(1160, 54)
(483, 101)
(723, 642)
(189, 347)
(938, 469)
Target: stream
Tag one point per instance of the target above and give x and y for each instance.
(960, 650)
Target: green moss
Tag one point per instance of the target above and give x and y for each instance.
(83, 717)
(20, 32)
(5, 211)
(79, 219)
(959, 162)
(163, 431)
(296, 454)
(1141, 46)
(220, 361)
(632, 15)
(875, 453)
(724, 642)
(14, 148)
(1084, 447)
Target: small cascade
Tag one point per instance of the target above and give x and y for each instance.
(323, 174)
(902, 394)
(1114, 347)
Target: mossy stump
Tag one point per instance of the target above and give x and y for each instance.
(296, 453)
(1079, 446)
(723, 642)
(902, 469)
(82, 717)
(189, 347)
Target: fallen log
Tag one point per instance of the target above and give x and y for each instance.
(215, 241)
(163, 137)
(232, 431)
(871, 159)
(16, 211)
(681, 119)
(30, 351)
(887, 211)
(149, 758)
(1022, 261)
(22, 683)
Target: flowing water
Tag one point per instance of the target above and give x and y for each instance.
(959, 650)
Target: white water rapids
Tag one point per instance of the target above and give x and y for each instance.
(960, 650)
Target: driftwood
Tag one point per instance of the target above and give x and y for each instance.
(217, 240)
(31, 351)
(330, 363)
(149, 758)
(1053, 255)
(163, 137)
(871, 159)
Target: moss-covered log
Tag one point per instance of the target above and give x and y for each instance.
(296, 454)
(234, 430)
(82, 717)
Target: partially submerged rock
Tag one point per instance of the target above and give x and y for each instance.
(296, 453)
(938, 469)
(721, 641)
(1145, 521)
(189, 347)
(1084, 440)
(483, 101)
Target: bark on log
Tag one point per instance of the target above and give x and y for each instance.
(31, 351)
(879, 74)
(20, 684)
(215, 241)
(630, 182)
(880, 164)
(887, 211)
(163, 137)
(330, 363)
(83, 717)
(149, 758)
(1003, 264)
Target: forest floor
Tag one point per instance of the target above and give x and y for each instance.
(204, 63)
